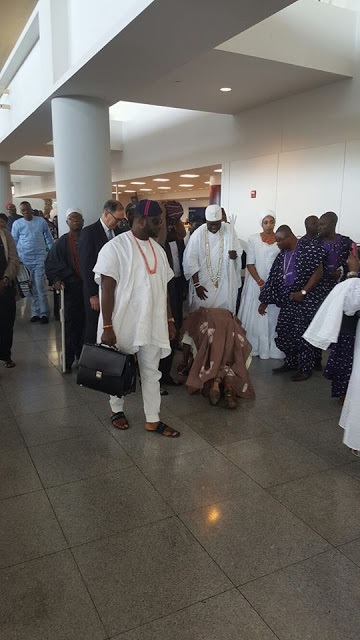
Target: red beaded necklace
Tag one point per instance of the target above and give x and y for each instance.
(148, 268)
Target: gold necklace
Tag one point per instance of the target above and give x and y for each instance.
(214, 279)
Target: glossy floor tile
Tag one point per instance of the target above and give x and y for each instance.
(327, 502)
(273, 459)
(315, 599)
(252, 535)
(46, 598)
(147, 573)
(244, 528)
(224, 617)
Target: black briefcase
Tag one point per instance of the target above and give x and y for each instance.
(107, 369)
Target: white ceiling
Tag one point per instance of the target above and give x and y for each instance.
(254, 81)
(172, 185)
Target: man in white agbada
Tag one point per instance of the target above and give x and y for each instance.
(133, 271)
(324, 330)
(212, 263)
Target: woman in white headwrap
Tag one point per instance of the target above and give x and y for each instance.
(262, 251)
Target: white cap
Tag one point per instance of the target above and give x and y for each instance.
(72, 210)
(213, 213)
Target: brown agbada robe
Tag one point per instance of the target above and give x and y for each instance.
(221, 343)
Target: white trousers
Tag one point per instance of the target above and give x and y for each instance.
(148, 358)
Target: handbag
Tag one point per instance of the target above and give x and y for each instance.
(107, 370)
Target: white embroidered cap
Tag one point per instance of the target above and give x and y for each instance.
(213, 213)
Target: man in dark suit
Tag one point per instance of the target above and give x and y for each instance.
(92, 239)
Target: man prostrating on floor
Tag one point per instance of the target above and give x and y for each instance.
(133, 272)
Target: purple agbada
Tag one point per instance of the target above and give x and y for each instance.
(290, 273)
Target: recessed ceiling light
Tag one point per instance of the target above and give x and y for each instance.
(137, 182)
(225, 89)
(217, 170)
(186, 185)
(161, 179)
(129, 191)
(190, 175)
(121, 185)
(145, 189)
(207, 182)
(164, 187)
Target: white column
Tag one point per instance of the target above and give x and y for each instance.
(5, 186)
(81, 136)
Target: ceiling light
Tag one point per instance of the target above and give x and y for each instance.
(207, 182)
(145, 189)
(190, 175)
(186, 185)
(192, 198)
(161, 179)
(164, 187)
(225, 89)
(129, 191)
(121, 185)
(137, 182)
(217, 170)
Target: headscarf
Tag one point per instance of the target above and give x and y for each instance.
(264, 214)
(72, 210)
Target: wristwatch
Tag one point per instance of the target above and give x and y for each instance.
(303, 292)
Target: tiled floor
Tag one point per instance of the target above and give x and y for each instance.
(245, 528)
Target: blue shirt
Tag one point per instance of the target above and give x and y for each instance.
(32, 238)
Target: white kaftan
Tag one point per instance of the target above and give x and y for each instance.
(140, 306)
(260, 330)
(324, 330)
(194, 261)
(350, 415)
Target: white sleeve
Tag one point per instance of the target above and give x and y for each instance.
(108, 263)
(352, 298)
(191, 259)
(250, 254)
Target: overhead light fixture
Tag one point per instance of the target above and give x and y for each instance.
(186, 185)
(192, 198)
(217, 170)
(161, 179)
(129, 191)
(121, 185)
(207, 182)
(137, 182)
(145, 189)
(225, 89)
(164, 187)
(190, 175)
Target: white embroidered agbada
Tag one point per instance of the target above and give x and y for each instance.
(260, 330)
(195, 261)
(324, 330)
(140, 299)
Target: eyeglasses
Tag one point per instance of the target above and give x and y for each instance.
(115, 218)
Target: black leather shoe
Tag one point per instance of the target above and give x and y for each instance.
(44, 320)
(283, 369)
(301, 376)
(170, 382)
(34, 319)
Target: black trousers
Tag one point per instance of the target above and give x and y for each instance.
(74, 323)
(91, 324)
(7, 319)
